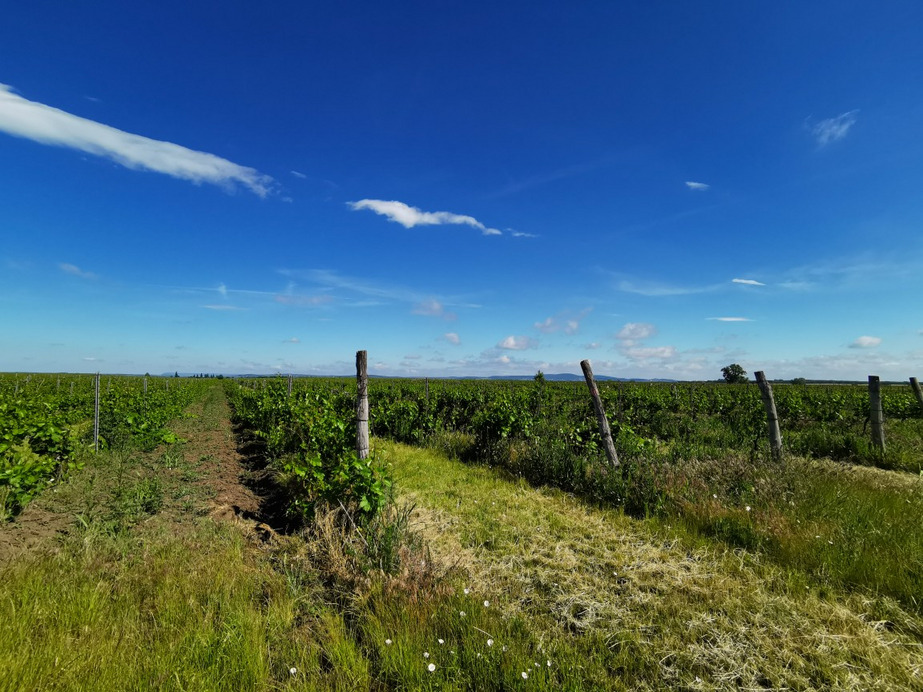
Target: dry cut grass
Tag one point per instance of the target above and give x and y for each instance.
(671, 610)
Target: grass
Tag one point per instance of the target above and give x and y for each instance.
(686, 613)
(494, 583)
(177, 613)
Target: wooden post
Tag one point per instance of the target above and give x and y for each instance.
(875, 412)
(772, 418)
(915, 386)
(290, 385)
(362, 405)
(96, 417)
(600, 414)
(426, 385)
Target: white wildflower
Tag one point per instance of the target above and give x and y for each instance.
(490, 642)
(431, 667)
(525, 675)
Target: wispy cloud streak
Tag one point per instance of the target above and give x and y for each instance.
(866, 342)
(409, 216)
(834, 129)
(74, 270)
(47, 125)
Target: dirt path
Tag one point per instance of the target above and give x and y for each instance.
(204, 475)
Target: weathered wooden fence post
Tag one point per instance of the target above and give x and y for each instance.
(362, 405)
(290, 385)
(772, 418)
(915, 386)
(875, 412)
(600, 414)
(96, 416)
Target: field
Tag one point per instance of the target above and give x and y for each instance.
(228, 531)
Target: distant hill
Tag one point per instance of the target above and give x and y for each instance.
(555, 377)
(568, 377)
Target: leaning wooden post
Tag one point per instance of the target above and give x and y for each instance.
(875, 413)
(96, 416)
(600, 414)
(772, 418)
(915, 386)
(362, 405)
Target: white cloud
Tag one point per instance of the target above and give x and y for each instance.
(834, 129)
(302, 300)
(650, 352)
(630, 337)
(298, 174)
(74, 270)
(747, 282)
(701, 187)
(409, 216)
(657, 290)
(452, 338)
(548, 326)
(635, 331)
(223, 290)
(866, 342)
(730, 319)
(293, 340)
(520, 234)
(567, 322)
(517, 343)
(433, 308)
(46, 125)
(222, 307)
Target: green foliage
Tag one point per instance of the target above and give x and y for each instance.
(310, 440)
(44, 426)
(734, 374)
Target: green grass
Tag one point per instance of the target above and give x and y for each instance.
(685, 612)
(176, 613)
(489, 579)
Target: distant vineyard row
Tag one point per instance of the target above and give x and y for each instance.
(47, 424)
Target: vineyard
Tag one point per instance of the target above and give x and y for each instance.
(696, 452)
(487, 511)
(48, 424)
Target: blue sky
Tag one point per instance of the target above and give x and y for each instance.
(462, 188)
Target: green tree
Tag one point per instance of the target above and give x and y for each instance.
(734, 374)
